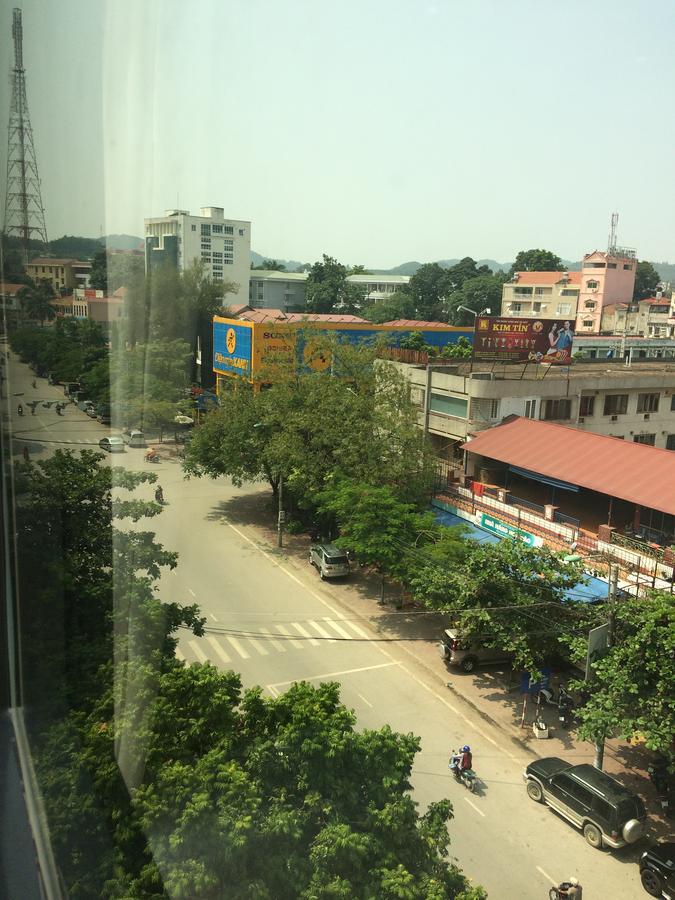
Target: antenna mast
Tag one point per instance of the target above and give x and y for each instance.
(24, 213)
(611, 243)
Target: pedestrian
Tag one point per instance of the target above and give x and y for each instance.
(34, 384)
(26, 454)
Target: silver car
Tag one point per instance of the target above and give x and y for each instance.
(113, 444)
(456, 650)
(331, 561)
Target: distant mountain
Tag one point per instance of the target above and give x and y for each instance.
(666, 271)
(123, 242)
(291, 264)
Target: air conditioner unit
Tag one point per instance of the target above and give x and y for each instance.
(614, 418)
(646, 416)
(581, 419)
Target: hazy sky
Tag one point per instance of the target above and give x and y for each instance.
(378, 131)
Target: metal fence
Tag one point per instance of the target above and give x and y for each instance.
(565, 519)
(526, 504)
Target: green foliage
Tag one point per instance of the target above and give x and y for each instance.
(646, 279)
(461, 350)
(428, 288)
(271, 265)
(414, 341)
(124, 269)
(36, 303)
(69, 349)
(479, 293)
(536, 261)
(509, 594)
(328, 290)
(72, 247)
(399, 305)
(632, 691)
(99, 271)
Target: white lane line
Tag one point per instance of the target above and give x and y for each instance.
(237, 646)
(367, 702)
(179, 656)
(219, 650)
(546, 875)
(191, 592)
(258, 646)
(340, 630)
(473, 806)
(278, 645)
(466, 719)
(213, 617)
(278, 684)
(306, 634)
(273, 691)
(356, 628)
(198, 652)
(298, 644)
(322, 631)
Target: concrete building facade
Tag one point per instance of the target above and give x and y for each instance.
(286, 291)
(222, 245)
(606, 278)
(653, 317)
(60, 273)
(635, 403)
(550, 295)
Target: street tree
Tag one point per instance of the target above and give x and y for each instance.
(428, 288)
(479, 293)
(98, 278)
(463, 271)
(537, 261)
(510, 595)
(631, 693)
(328, 289)
(36, 301)
(461, 350)
(646, 279)
(400, 305)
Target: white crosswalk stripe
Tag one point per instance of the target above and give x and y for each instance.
(306, 634)
(340, 630)
(297, 644)
(198, 652)
(356, 628)
(278, 645)
(219, 650)
(258, 646)
(322, 631)
(179, 656)
(233, 642)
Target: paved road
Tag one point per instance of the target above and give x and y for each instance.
(276, 622)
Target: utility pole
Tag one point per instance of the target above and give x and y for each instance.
(24, 213)
(281, 514)
(612, 590)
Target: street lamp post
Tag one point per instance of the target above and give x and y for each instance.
(474, 313)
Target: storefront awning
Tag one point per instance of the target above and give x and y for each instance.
(544, 479)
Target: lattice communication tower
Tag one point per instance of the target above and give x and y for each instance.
(24, 213)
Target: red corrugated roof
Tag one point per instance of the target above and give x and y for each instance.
(276, 315)
(546, 277)
(416, 323)
(637, 473)
(10, 289)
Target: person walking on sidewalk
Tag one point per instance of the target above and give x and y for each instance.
(25, 453)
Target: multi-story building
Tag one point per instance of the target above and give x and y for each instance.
(222, 245)
(60, 273)
(635, 403)
(96, 306)
(652, 317)
(551, 295)
(286, 290)
(605, 279)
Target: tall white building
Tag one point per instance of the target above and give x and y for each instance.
(222, 245)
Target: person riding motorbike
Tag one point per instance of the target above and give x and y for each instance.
(151, 454)
(19, 409)
(462, 761)
(159, 494)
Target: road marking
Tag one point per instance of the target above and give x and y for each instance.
(378, 646)
(191, 592)
(473, 806)
(306, 634)
(546, 876)
(237, 646)
(258, 647)
(213, 617)
(278, 645)
(367, 702)
(198, 652)
(354, 627)
(322, 631)
(278, 684)
(219, 650)
(179, 656)
(340, 630)
(282, 630)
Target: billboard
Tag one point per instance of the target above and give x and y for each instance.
(524, 340)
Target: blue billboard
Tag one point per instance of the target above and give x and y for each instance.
(232, 348)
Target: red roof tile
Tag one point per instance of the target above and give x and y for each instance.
(546, 278)
(276, 315)
(10, 289)
(416, 323)
(637, 473)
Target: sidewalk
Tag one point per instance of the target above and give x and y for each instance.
(492, 692)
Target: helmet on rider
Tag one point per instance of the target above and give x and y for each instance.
(466, 748)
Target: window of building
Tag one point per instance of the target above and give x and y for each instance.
(523, 291)
(217, 229)
(569, 292)
(241, 232)
(530, 409)
(516, 307)
(595, 265)
(670, 442)
(645, 439)
(228, 244)
(587, 323)
(216, 255)
(206, 256)
(228, 262)
(611, 265)
(672, 403)
(590, 304)
(615, 405)
(648, 403)
(541, 291)
(558, 409)
(206, 229)
(536, 306)
(564, 309)
(206, 245)
(586, 405)
(194, 227)
(448, 406)
(228, 255)
(628, 266)
(228, 229)
(217, 276)
(494, 409)
(592, 284)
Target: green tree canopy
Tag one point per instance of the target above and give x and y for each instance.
(271, 265)
(99, 271)
(429, 287)
(646, 279)
(36, 301)
(400, 305)
(328, 290)
(479, 293)
(537, 261)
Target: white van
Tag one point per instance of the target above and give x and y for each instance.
(133, 438)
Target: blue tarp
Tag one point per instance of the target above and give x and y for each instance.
(595, 590)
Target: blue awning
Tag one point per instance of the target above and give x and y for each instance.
(553, 482)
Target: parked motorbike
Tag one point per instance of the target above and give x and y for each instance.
(19, 409)
(660, 778)
(467, 776)
(563, 701)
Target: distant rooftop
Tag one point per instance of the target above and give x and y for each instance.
(421, 323)
(276, 315)
(546, 278)
(49, 261)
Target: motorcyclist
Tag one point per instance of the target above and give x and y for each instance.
(462, 761)
(159, 494)
(151, 454)
(19, 409)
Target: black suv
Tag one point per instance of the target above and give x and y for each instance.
(657, 870)
(607, 812)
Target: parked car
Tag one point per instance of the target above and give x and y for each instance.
(458, 651)
(331, 561)
(91, 412)
(71, 387)
(657, 870)
(84, 405)
(113, 444)
(133, 437)
(607, 813)
(104, 415)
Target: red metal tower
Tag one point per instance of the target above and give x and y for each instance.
(24, 213)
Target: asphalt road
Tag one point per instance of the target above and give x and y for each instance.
(276, 622)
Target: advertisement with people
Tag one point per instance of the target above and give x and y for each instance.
(517, 339)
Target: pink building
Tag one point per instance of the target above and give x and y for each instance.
(606, 279)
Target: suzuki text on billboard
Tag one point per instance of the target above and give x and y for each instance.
(524, 340)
